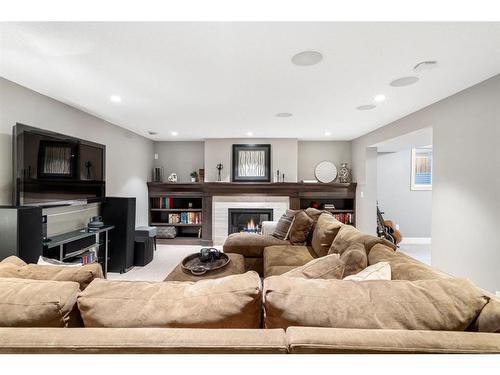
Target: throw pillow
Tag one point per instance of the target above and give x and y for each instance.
(283, 227)
(328, 267)
(325, 231)
(300, 228)
(377, 271)
(355, 259)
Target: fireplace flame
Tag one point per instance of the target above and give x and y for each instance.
(251, 225)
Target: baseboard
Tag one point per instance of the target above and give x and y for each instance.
(416, 241)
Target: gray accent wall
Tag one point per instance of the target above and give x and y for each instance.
(180, 157)
(310, 153)
(410, 209)
(129, 157)
(466, 180)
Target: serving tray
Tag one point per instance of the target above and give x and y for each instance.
(192, 264)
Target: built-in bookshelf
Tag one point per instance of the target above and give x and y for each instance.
(182, 210)
(342, 208)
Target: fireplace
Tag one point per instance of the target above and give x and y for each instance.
(248, 219)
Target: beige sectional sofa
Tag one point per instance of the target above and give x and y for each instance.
(421, 310)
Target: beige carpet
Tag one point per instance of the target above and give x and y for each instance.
(166, 257)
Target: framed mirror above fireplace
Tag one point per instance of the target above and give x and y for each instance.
(248, 219)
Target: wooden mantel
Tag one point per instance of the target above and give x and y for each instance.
(297, 192)
(290, 189)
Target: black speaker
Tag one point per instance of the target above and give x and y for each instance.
(120, 212)
(21, 232)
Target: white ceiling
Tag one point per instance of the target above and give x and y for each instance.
(218, 80)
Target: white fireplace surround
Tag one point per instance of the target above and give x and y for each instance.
(222, 204)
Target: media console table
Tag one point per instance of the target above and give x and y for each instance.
(194, 202)
(72, 244)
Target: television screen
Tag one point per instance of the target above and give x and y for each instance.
(53, 169)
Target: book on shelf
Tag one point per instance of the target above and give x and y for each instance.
(185, 218)
(162, 202)
(346, 218)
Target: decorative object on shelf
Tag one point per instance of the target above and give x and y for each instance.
(194, 176)
(251, 163)
(344, 174)
(95, 222)
(201, 175)
(172, 177)
(314, 204)
(309, 181)
(326, 172)
(166, 232)
(277, 176)
(283, 178)
(158, 174)
(194, 265)
(219, 167)
(88, 164)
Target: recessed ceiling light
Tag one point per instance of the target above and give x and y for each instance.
(366, 107)
(284, 114)
(307, 58)
(150, 132)
(115, 98)
(404, 81)
(379, 98)
(175, 133)
(327, 133)
(249, 134)
(425, 65)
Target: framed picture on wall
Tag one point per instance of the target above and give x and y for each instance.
(251, 163)
(421, 168)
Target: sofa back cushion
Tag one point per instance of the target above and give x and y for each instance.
(489, 318)
(348, 235)
(448, 304)
(82, 275)
(14, 260)
(325, 231)
(404, 267)
(327, 267)
(301, 228)
(354, 258)
(34, 303)
(227, 302)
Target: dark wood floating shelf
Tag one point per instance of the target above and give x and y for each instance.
(201, 194)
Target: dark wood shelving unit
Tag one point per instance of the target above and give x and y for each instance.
(301, 195)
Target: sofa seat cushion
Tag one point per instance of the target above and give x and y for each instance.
(447, 304)
(314, 340)
(34, 303)
(228, 302)
(141, 341)
(281, 259)
(348, 235)
(82, 275)
(250, 244)
(325, 231)
(354, 258)
(404, 267)
(327, 267)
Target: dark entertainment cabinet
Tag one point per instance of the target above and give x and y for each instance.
(200, 194)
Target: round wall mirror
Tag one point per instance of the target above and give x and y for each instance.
(325, 172)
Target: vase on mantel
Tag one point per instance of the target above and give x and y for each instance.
(344, 174)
